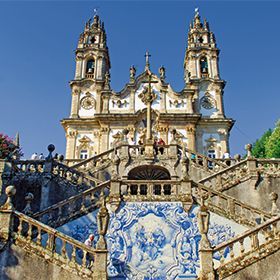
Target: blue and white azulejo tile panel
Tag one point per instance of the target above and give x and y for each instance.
(153, 240)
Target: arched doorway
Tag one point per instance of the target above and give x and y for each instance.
(148, 172)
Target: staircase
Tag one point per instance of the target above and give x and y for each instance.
(247, 249)
(56, 248)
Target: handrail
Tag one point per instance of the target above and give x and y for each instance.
(86, 161)
(231, 207)
(222, 171)
(246, 248)
(69, 208)
(246, 234)
(35, 233)
(56, 168)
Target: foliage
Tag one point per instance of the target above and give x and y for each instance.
(268, 146)
(272, 146)
(258, 149)
(8, 148)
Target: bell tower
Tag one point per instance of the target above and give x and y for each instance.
(92, 55)
(202, 54)
(201, 65)
(92, 76)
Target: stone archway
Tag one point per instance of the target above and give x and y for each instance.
(149, 172)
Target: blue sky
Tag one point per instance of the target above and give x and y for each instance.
(38, 39)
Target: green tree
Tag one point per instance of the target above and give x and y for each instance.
(259, 147)
(272, 146)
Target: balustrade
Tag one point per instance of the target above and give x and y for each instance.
(230, 207)
(149, 189)
(227, 177)
(269, 167)
(61, 247)
(72, 207)
(246, 245)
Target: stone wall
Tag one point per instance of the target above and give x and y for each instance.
(257, 196)
(17, 264)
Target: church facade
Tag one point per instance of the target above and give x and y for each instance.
(99, 114)
(120, 211)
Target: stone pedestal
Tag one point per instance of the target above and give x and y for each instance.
(100, 265)
(6, 224)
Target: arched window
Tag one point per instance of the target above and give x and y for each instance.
(203, 66)
(90, 66)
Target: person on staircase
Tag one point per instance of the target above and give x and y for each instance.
(89, 257)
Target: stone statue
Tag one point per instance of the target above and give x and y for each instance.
(162, 73)
(132, 72)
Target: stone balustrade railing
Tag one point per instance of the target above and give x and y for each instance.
(73, 207)
(270, 167)
(95, 160)
(227, 177)
(148, 190)
(230, 207)
(247, 248)
(61, 249)
(58, 169)
(209, 164)
(103, 160)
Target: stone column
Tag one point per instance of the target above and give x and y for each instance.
(163, 99)
(199, 141)
(190, 130)
(190, 103)
(205, 250)
(75, 103)
(100, 265)
(79, 65)
(104, 139)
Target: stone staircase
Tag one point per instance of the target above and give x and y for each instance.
(247, 249)
(73, 207)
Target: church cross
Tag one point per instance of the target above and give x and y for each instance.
(147, 56)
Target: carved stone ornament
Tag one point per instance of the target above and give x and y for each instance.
(88, 102)
(119, 103)
(207, 102)
(177, 103)
(146, 97)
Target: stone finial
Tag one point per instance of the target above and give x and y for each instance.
(237, 157)
(203, 225)
(248, 148)
(102, 223)
(60, 158)
(10, 191)
(274, 208)
(51, 148)
(125, 133)
(28, 198)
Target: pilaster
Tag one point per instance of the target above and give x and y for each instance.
(190, 130)
(75, 103)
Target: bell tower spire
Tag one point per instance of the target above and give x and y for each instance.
(202, 55)
(92, 54)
